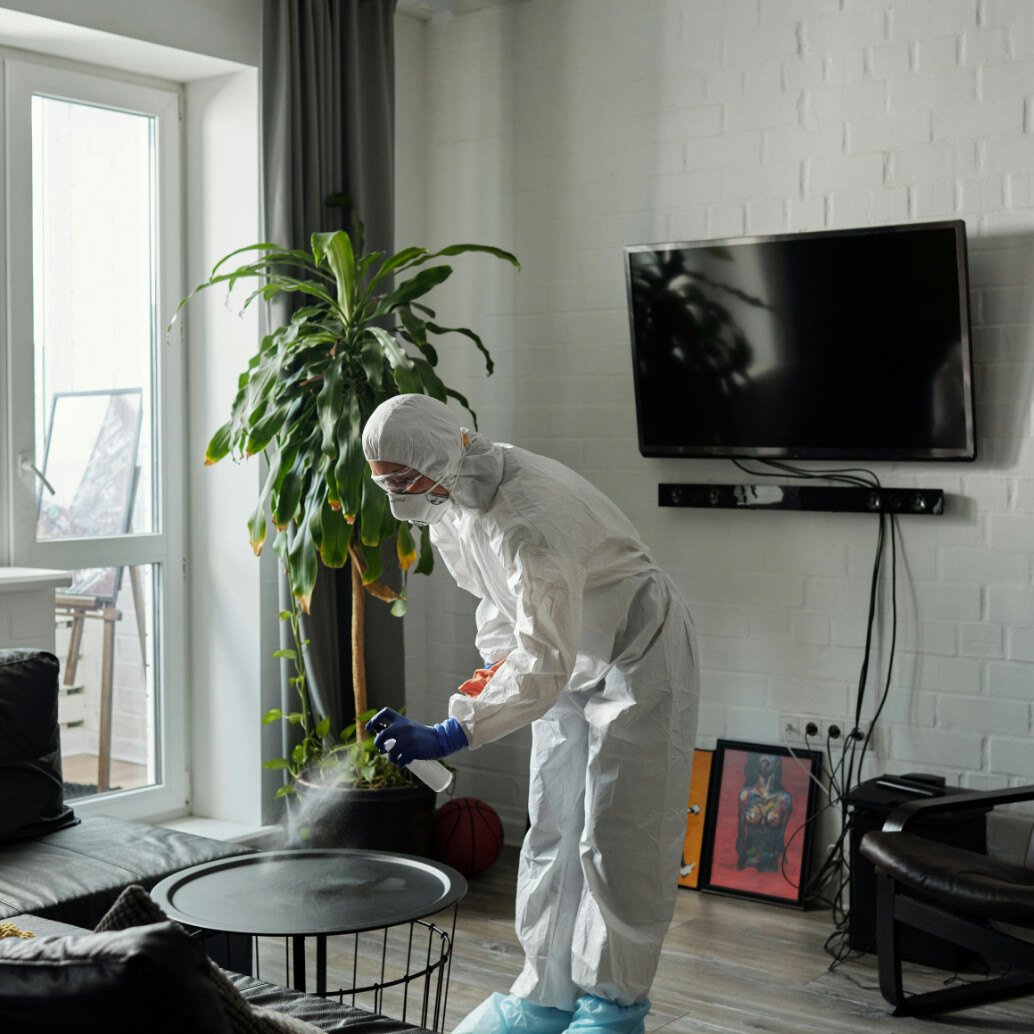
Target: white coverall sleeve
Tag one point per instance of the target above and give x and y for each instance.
(495, 638)
(548, 591)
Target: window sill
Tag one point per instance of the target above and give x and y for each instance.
(219, 829)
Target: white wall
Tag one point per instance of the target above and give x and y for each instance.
(227, 29)
(566, 129)
(233, 604)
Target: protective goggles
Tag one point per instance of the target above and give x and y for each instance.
(398, 482)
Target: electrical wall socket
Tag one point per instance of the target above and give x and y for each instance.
(793, 729)
(831, 730)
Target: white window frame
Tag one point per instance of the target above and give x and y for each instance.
(166, 546)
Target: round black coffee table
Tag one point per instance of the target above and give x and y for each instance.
(321, 893)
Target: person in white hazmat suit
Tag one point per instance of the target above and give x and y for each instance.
(597, 650)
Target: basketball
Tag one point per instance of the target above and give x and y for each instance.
(467, 835)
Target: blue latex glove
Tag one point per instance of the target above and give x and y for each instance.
(413, 741)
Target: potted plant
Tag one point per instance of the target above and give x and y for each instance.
(302, 403)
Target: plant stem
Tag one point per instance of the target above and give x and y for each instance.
(358, 651)
(299, 667)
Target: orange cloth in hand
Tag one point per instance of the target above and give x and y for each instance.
(477, 682)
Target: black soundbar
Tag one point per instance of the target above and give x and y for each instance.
(836, 498)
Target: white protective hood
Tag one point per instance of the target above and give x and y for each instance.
(424, 434)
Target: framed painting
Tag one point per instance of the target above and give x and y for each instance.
(696, 812)
(758, 827)
(91, 468)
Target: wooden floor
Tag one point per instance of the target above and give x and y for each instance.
(82, 768)
(729, 965)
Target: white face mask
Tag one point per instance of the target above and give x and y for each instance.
(419, 507)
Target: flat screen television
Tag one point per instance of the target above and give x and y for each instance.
(841, 344)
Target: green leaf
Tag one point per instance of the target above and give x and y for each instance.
(265, 429)
(329, 406)
(275, 253)
(272, 715)
(348, 472)
(374, 506)
(415, 287)
(405, 547)
(334, 540)
(432, 383)
(398, 608)
(406, 377)
(219, 446)
(434, 328)
(336, 248)
(286, 652)
(400, 260)
(487, 249)
(462, 400)
(283, 791)
(372, 358)
(277, 763)
(301, 565)
(322, 727)
(374, 569)
(277, 284)
(285, 502)
(426, 562)
(257, 527)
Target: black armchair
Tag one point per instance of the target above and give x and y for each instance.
(954, 894)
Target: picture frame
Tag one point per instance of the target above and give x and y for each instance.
(696, 815)
(758, 829)
(90, 468)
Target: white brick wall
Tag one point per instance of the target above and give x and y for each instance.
(566, 129)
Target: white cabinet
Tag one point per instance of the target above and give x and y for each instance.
(27, 606)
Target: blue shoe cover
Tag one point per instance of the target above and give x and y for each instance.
(594, 1015)
(501, 1014)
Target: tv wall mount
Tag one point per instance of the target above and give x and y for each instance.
(920, 502)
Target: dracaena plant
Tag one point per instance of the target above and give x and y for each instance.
(363, 333)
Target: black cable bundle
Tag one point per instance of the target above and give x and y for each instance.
(843, 774)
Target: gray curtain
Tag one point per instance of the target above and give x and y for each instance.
(328, 124)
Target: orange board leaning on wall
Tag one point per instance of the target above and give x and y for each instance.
(689, 870)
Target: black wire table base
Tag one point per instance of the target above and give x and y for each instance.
(399, 971)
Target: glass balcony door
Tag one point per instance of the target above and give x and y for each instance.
(96, 432)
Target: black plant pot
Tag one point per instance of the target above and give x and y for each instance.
(395, 818)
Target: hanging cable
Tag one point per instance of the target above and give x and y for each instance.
(843, 774)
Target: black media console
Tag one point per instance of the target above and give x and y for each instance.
(839, 498)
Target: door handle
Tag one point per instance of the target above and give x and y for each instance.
(28, 467)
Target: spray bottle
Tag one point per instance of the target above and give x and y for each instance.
(433, 773)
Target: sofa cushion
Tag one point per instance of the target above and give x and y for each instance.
(269, 1000)
(135, 907)
(152, 978)
(74, 875)
(30, 750)
(324, 1013)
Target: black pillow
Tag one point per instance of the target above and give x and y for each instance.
(31, 792)
(148, 978)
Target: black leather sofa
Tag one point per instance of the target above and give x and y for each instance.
(53, 864)
(150, 978)
(59, 875)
